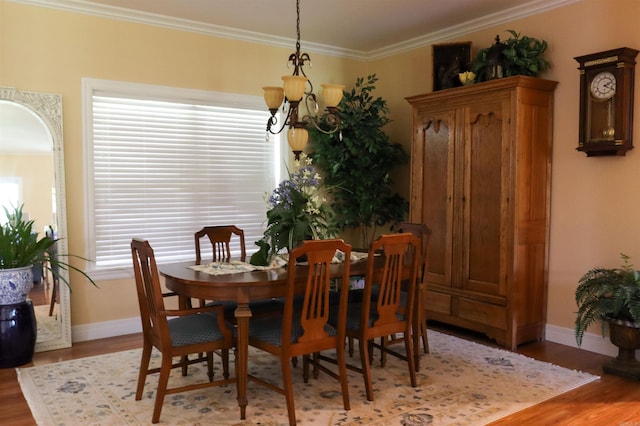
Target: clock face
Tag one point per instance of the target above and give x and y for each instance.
(603, 85)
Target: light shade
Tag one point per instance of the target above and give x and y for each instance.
(332, 94)
(297, 137)
(294, 86)
(273, 96)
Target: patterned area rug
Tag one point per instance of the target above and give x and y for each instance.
(460, 383)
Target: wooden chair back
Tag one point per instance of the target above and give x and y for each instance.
(423, 232)
(399, 251)
(220, 238)
(313, 312)
(150, 298)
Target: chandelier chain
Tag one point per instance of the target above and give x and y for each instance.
(298, 25)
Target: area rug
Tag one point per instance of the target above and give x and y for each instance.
(460, 383)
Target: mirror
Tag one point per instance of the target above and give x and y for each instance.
(32, 166)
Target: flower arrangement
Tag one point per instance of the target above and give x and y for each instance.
(298, 211)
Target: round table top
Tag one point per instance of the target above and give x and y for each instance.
(258, 284)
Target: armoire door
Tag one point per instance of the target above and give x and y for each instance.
(484, 213)
(433, 185)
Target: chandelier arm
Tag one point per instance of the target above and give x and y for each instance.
(273, 121)
(310, 96)
(331, 118)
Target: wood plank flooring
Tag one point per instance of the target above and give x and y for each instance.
(609, 401)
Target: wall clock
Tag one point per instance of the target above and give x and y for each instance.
(606, 102)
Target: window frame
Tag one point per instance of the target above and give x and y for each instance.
(91, 86)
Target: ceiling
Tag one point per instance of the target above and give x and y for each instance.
(358, 28)
(362, 29)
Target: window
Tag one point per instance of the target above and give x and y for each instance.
(163, 162)
(10, 195)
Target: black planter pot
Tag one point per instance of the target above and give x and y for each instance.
(627, 338)
(18, 333)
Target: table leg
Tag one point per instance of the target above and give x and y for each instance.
(184, 303)
(242, 314)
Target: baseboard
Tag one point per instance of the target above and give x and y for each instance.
(101, 330)
(590, 342)
(565, 336)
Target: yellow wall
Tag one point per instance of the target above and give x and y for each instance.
(50, 51)
(36, 171)
(594, 200)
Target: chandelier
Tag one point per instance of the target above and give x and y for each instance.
(296, 87)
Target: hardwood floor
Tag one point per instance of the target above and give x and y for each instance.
(608, 401)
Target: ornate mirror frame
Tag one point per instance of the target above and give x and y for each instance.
(49, 108)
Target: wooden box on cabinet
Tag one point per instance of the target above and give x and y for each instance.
(480, 179)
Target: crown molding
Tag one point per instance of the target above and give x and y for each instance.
(87, 7)
(146, 18)
(517, 12)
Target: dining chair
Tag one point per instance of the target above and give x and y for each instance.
(423, 232)
(220, 237)
(385, 309)
(304, 329)
(174, 332)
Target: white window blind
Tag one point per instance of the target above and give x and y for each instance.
(164, 168)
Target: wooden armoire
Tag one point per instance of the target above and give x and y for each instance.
(480, 179)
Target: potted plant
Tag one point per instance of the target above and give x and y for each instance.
(611, 296)
(357, 166)
(20, 250)
(521, 55)
(298, 212)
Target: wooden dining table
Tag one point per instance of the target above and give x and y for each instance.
(242, 288)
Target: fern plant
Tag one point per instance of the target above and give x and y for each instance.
(608, 294)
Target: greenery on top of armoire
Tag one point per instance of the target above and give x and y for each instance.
(357, 169)
(521, 55)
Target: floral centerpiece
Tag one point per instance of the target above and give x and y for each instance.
(298, 211)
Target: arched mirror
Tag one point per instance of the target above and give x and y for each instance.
(32, 173)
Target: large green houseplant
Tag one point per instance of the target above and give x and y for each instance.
(611, 296)
(357, 162)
